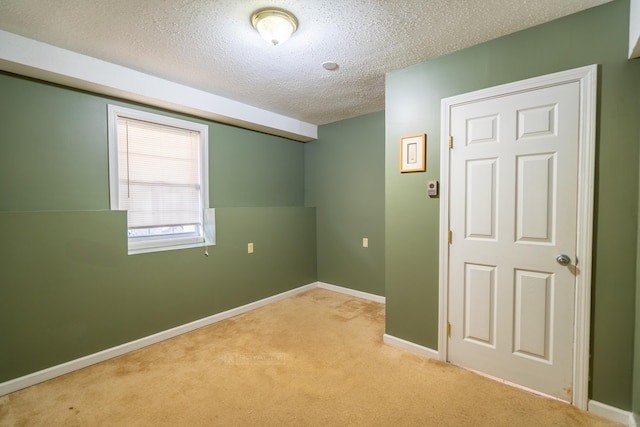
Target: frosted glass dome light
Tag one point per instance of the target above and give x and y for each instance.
(274, 25)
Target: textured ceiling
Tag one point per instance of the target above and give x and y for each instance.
(211, 45)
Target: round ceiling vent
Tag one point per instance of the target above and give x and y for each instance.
(329, 65)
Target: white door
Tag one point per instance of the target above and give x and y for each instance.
(513, 207)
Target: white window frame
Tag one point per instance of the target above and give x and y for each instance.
(206, 234)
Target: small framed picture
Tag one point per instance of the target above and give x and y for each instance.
(413, 153)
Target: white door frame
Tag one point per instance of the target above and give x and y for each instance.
(587, 77)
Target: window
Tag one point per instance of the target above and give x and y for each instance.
(158, 173)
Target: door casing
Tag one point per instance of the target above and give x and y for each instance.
(587, 78)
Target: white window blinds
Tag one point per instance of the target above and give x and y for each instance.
(159, 174)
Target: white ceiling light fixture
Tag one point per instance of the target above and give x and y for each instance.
(274, 25)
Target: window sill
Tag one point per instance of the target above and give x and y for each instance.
(169, 248)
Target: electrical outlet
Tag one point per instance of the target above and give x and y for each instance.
(365, 242)
(250, 248)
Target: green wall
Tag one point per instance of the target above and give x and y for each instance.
(598, 35)
(345, 182)
(68, 287)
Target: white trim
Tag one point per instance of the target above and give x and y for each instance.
(587, 77)
(611, 413)
(584, 244)
(352, 292)
(409, 346)
(73, 365)
(39, 60)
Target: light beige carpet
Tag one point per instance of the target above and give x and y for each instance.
(316, 359)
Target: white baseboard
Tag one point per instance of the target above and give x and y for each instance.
(409, 346)
(611, 413)
(73, 365)
(352, 292)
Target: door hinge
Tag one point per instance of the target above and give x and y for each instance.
(449, 329)
(450, 236)
(450, 141)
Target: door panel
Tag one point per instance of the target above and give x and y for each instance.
(479, 303)
(535, 198)
(481, 199)
(532, 325)
(513, 208)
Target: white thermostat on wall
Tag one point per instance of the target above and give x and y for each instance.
(432, 188)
